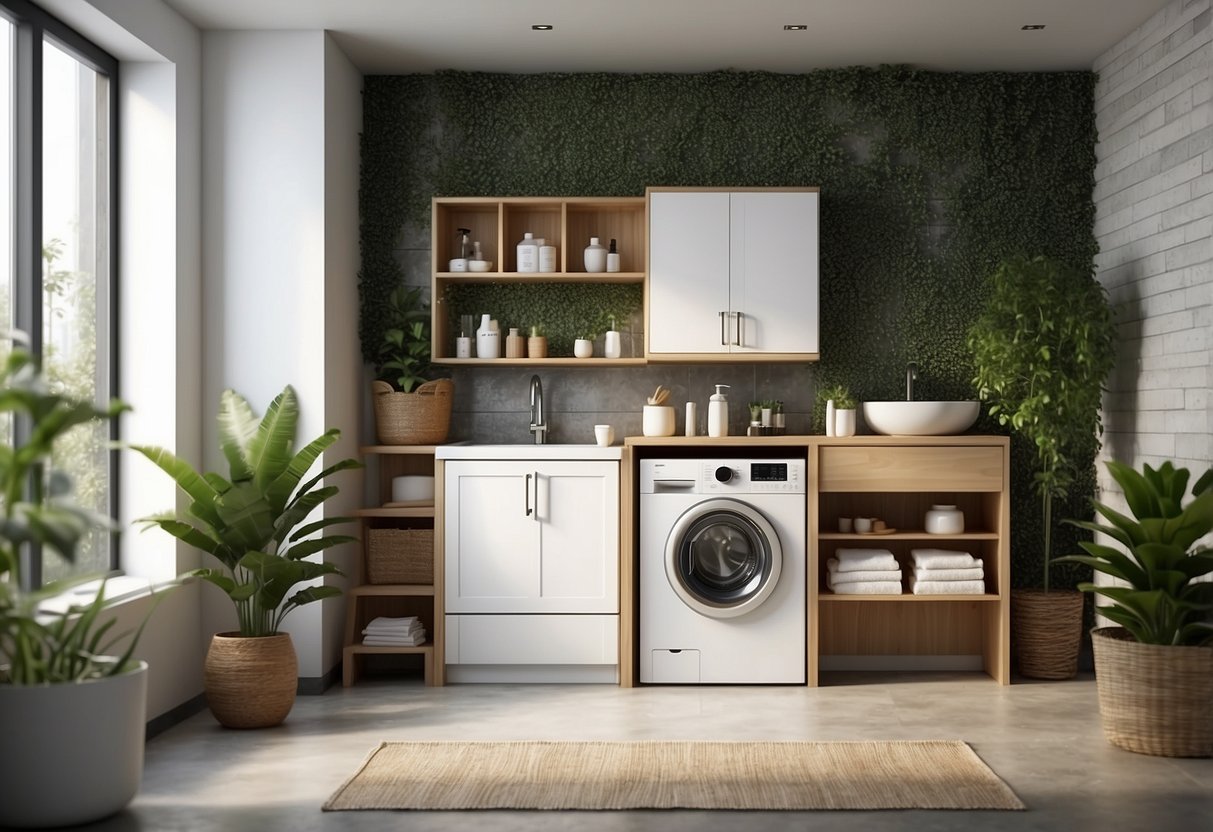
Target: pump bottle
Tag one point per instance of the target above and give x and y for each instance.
(718, 412)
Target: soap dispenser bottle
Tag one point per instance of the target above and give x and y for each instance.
(718, 412)
(612, 257)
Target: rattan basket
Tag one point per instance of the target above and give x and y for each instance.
(422, 417)
(400, 556)
(1046, 629)
(1154, 698)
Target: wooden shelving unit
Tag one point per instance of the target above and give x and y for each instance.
(367, 601)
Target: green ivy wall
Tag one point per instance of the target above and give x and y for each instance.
(927, 181)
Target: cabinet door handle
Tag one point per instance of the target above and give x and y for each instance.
(535, 516)
(740, 329)
(527, 489)
(723, 342)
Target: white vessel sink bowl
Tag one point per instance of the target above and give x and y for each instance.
(920, 418)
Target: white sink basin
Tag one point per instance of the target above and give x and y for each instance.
(920, 418)
(528, 451)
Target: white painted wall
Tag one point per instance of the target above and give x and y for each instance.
(1154, 224)
(266, 258)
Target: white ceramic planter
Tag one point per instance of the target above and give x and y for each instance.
(844, 422)
(71, 753)
(657, 420)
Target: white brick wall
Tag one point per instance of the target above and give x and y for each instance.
(1154, 223)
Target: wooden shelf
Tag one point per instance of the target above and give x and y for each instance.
(908, 535)
(428, 647)
(397, 449)
(562, 361)
(390, 590)
(825, 596)
(351, 652)
(406, 511)
(540, 277)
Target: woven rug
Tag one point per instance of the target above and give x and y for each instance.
(932, 774)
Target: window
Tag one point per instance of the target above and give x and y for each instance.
(58, 241)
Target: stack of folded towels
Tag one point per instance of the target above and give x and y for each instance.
(864, 572)
(394, 632)
(944, 572)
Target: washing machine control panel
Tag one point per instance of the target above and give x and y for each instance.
(752, 476)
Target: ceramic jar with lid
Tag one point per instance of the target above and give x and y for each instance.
(943, 519)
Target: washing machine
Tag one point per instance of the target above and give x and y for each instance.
(723, 546)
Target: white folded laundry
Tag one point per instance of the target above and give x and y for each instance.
(390, 623)
(860, 560)
(942, 559)
(393, 633)
(947, 587)
(856, 577)
(378, 641)
(835, 565)
(869, 588)
(973, 573)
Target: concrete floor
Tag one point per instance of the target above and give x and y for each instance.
(1043, 739)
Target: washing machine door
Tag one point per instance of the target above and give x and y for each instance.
(723, 558)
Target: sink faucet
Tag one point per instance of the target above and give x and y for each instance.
(911, 374)
(538, 426)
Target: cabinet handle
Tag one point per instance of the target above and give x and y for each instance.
(535, 516)
(723, 342)
(740, 329)
(527, 489)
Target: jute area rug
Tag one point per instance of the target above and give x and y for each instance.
(932, 774)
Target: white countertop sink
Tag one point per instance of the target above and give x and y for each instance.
(524, 451)
(920, 418)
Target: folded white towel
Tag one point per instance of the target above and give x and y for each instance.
(942, 559)
(384, 621)
(868, 588)
(947, 587)
(857, 577)
(973, 573)
(381, 641)
(865, 560)
(400, 631)
(835, 565)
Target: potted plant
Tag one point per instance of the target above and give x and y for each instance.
(411, 406)
(840, 408)
(254, 523)
(72, 697)
(1041, 349)
(1154, 672)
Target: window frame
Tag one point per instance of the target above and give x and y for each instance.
(31, 25)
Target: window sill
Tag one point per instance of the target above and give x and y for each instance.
(117, 588)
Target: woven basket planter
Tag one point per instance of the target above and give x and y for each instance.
(1153, 698)
(251, 681)
(1046, 631)
(422, 417)
(400, 556)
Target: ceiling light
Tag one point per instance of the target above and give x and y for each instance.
(1032, 27)
(794, 27)
(543, 27)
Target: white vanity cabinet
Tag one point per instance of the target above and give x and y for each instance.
(733, 274)
(531, 556)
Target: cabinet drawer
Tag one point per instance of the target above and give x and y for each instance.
(936, 468)
(532, 639)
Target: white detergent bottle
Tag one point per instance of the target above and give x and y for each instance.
(718, 412)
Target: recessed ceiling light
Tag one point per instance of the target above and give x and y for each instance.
(794, 27)
(543, 27)
(1032, 27)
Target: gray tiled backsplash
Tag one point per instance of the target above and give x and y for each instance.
(492, 404)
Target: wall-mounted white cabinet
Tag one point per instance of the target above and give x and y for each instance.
(733, 274)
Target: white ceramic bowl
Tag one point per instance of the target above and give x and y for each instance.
(412, 488)
(480, 265)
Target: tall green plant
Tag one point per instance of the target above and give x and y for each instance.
(1162, 604)
(1042, 348)
(250, 521)
(404, 355)
(42, 645)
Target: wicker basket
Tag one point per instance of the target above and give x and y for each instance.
(1047, 632)
(250, 682)
(400, 556)
(1154, 698)
(422, 417)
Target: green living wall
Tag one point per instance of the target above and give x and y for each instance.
(927, 181)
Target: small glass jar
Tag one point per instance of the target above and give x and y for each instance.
(943, 519)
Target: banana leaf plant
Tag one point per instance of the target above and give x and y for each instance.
(250, 521)
(39, 645)
(1163, 602)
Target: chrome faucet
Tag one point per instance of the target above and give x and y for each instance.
(538, 426)
(911, 374)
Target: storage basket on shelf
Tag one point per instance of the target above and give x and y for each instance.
(400, 556)
(422, 417)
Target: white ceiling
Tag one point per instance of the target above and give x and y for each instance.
(399, 36)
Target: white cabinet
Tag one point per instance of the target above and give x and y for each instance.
(531, 536)
(733, 273)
